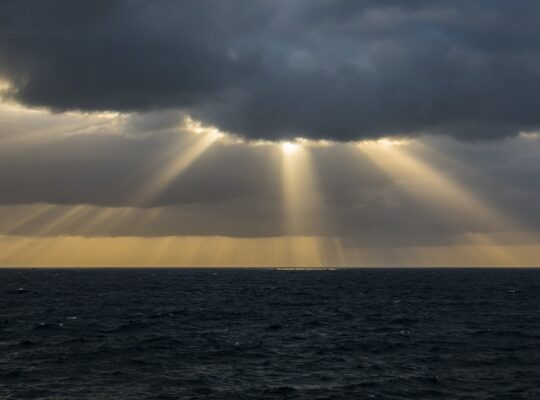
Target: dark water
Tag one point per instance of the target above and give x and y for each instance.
(248, 334)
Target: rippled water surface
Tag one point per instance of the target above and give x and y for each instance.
(263, 334)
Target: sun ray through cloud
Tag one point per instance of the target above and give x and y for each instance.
(181, 158)
(430, 186)
(443, 196)
(302, 200)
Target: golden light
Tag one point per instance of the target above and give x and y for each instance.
(181, 157)
(76, 235)
(289, 147)
(387, 142)
(445, 198)
(198, 128)
(302, 200)
(5, 86)
(436, 190)
(216, 251)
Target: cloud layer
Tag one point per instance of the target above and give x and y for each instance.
(74, 174)
(337, 69)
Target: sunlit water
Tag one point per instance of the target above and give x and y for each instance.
(263, 334)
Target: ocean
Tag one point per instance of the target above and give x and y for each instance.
(269, 334)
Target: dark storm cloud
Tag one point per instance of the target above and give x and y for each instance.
(337, 69)
(122, 55)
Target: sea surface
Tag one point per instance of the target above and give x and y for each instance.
(269, 334)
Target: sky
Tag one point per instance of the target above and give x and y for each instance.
(270, 133)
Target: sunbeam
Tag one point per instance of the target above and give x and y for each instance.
(180, 160)
(445, 198)
(28, 216)
(301, 197)
(67, 217)
(437, 191)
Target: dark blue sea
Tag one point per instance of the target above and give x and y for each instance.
(268, 334)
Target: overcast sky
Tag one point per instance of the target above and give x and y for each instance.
(407, 125)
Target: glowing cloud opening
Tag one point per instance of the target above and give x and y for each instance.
(289, 147)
